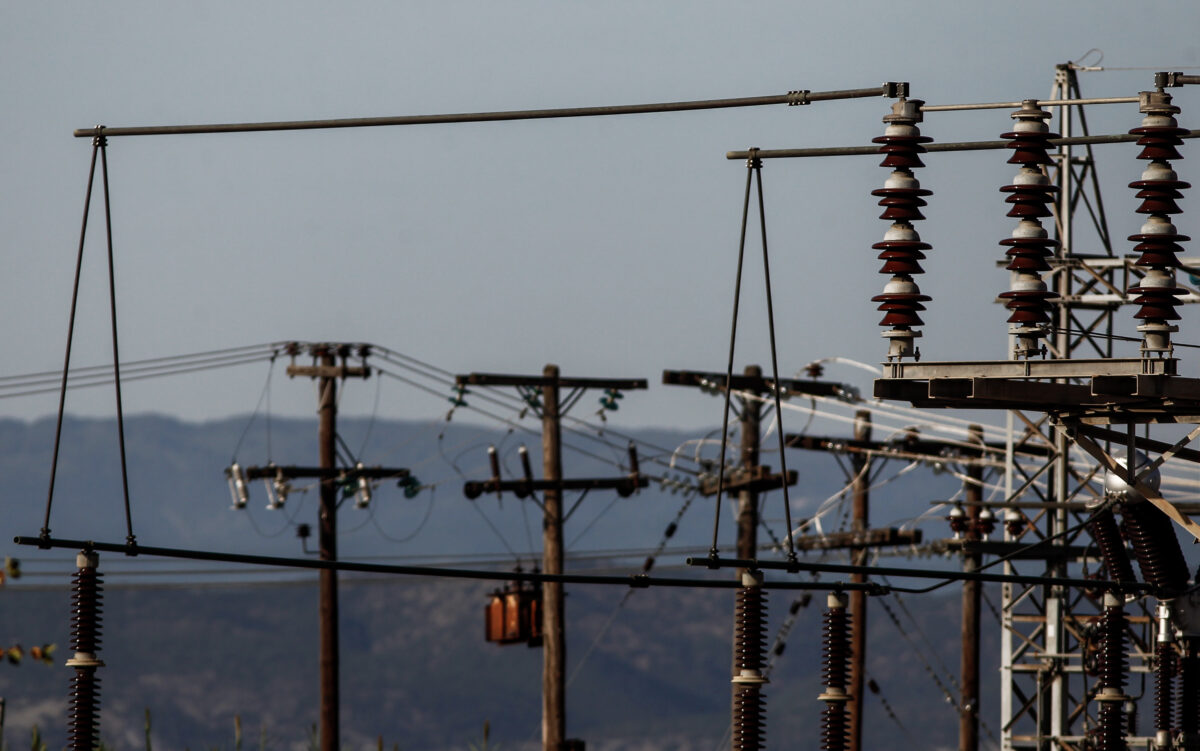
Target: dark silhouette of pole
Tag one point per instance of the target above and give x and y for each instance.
(860, 523)
(554, 635)
(968, 726)
(327, 540)
(747, 518)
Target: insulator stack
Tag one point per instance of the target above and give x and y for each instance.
(1155, 546)
(1112, 667)
(1030, 196)
(1158, 242)
(84, 718)
(1189, 697)
(749, 726)
(1105, 532)
(902, 249)
(836, 652)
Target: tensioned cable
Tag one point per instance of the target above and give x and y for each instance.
(112, 306)
(737, 295)
(762, 217)
(128, 375)
(62, 397)
(167, 361)
(790, 98)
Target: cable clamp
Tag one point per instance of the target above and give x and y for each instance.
(798, 97)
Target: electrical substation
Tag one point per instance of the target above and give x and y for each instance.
(1094, 423)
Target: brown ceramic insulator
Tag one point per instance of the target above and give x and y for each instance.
(750, 640)
(1159, 142)
(1103, 528)
(1158, 250)
(901, 260)
(1114, 663)
(901, 205)
(1028, 147)
(835, 728)
(749, 727)
(1028, 307)
(836, 648)
(1028, 256)
(84, 711)
(86, 601)
(1110, 735)
(1155, 547)
(1164, 688)
(902, 151)
(900, 312)
(1029, 202)
(1157, 305)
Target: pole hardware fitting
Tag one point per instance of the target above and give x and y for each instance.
(1173, 80)
(798, 97)
(896, 90)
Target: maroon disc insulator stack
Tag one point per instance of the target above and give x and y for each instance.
(749, 727)
(1164, 693)
(1103, 527)
(1156, 548)
(836, 653)
(1029, 247)
(1112, 668)
(86, 597)
(902, 249)
(1158, 241)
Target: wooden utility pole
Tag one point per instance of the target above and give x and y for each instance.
(968, 728)
(747, 518)
(860, 522)
(327, 540)
(554, 636)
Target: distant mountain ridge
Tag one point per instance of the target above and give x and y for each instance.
(415, 668)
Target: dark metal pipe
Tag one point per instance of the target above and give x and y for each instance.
(638, 580)
(790, 98)
(917, 573)
(931, 147)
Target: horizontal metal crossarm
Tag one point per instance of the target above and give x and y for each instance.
(637, 581)
(867, 538)
(756, 479)
(716, 562)
(292, 472)
(1014, 550)
(716, 381)
(500, 379)
(524, 488)
(1080, 368)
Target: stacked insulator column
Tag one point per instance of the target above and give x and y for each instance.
(84, 719)
(1189, 695)
(749, 727)
(1112, 667)
(901, 250)
(1164, 677)
(1030, 245)
(836, 652)
(1107, 535)
(1156, 548)
(1158, 242)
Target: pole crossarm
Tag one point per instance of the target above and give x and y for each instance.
(758, 384)
(625, 486)
(756, 479)
(292, 472)
(329, 371)
(791, 98)
(909, 448)
(854, 540)
(497, 379)
(1013, 550)
(929, 147)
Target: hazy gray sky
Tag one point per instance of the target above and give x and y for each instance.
(605, 245)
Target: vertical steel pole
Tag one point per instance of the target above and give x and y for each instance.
(327, 535)
(860, 519)
(554, 688)
(968, 726)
